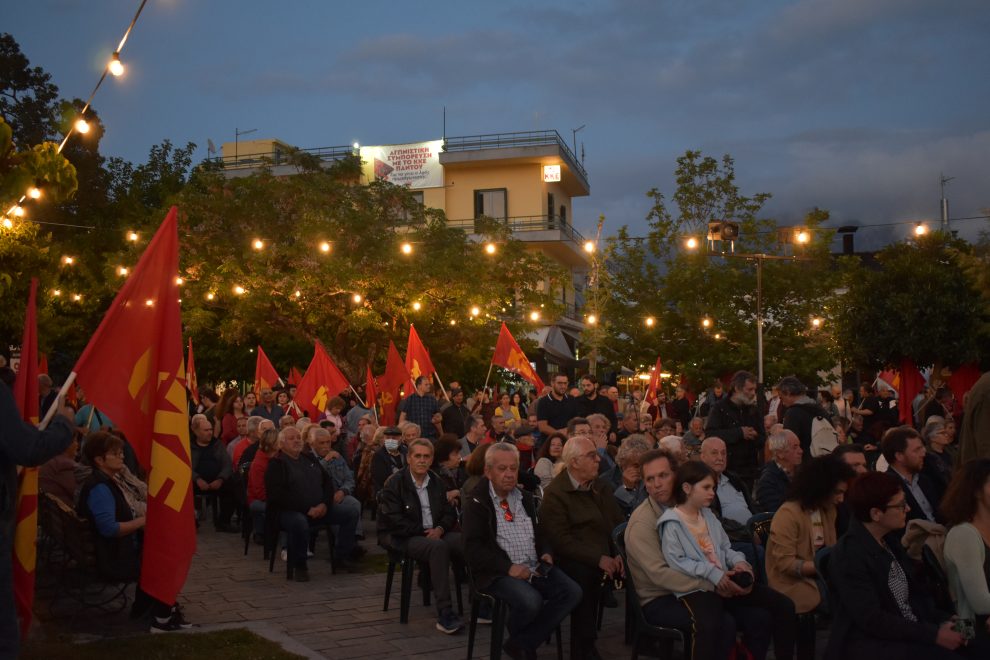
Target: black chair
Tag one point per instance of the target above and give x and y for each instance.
(937, 578)
(206, 500)
(640, 628)
(397, 558)
(500, 611)
(288, 566)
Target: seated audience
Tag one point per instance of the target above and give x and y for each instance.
(345, 510)
(415, 517)
(509, 560)
(675, 445)
(905, 454)
(771, 488)
(939, 458)
(966, 506)
(447, 466)
(732, 505)
(388, 460)
(880, 611)
(267, 448)
(802, 526)
(58, 476)
(695, 435)
(695, 544)
(630, 493)
(212, 470)
(549, 461)
(474, 436)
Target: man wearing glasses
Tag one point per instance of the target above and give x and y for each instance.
(509, 559)
(578, 514)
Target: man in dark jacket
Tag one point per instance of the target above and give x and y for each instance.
(212, 470)
(905, 454)
(739, 423)
(298, 492)
(771, 489)
(414, 516)
(801, 411)
(20, 444)
(591, 402)
(578, 515)
(388, 459)
(509, 560)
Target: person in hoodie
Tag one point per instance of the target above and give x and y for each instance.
(695, 544)
(801, 411)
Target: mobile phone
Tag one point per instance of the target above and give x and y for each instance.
(743, 579)
(542, 569)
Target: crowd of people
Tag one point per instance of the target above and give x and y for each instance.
(737, 521)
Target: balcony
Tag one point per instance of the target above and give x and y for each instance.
(558, 239)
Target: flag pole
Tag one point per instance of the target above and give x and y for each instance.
(58, 402)
(361, 401)
(490, 367)
(440, 382)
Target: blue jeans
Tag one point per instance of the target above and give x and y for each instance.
(536, 607)
(345, 516)
(299, 529)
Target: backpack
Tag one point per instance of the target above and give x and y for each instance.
(824, 438)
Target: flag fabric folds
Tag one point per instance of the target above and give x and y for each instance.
(294, 377)
(418, 361)
(322, 382)
(26, 508)
(509, 356)
(191, 383)
(654, 386)
(370, 388)
(911, 383)
(42, 365)
(396, 375)
(265, 376)
(132, 369)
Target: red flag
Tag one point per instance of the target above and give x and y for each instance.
(26, 517)
(43, 365)
(654, 386)
(191, 383)
(911, 383)
(132, 369)
(265, 376)
(961, 380)
(418, 361)
(322, 382)
(71, 395)
(370, 389)
(509, 356)
(295, 377)
(396, 375)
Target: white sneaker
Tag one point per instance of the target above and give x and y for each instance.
(284, 555)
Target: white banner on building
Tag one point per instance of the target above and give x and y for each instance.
(415, 165)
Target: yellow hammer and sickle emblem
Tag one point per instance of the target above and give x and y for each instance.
(387, 398)
(320, 399)
(415, 372)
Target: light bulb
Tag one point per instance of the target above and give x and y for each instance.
(706, 323)
(691, 243)
(534, 316)
(132, 236)
(592, 319)
(589, 246)
(650, 321)
(56, 292)
(357, 298)
(149, 303)
(122, 271)
(475, 311)
(238, 289)
(417, 306)
(298, 293)
(34, 192)
(490, 248)
(18, 210)
(179, 281)
(920, 229)
(82, 126)
(324, 247)
(406, 248)
(76, 297)
(115, 66)
(210, 296)
(802, 236)
(68, 261)
(453, 322)
(8, 223)
(258, 244)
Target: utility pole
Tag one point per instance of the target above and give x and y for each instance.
(943, 202)
(592, 320)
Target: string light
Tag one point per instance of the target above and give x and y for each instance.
(534, 316)
(77, 297)
(258, 244)
(920, 229)
(589, 246)
(7, 223)
(149, 303)
(357, 298)
(81, 126)
(718, 335)
(34, 192)
(18, 210)
(802, 236)
(475, 311)
(298, 293)
(453, 321)
(179, 281)
(816, 322)
(691, 243)
(324, 247)
(115, 66)
(68, 261)
(238, 290)
(132, 236)
(490, 248)
(406, 248)
(650, 321)
(210, 295)
(592, 319)
(122, 271)
(706, 322)
(56, 292)
(417, 306)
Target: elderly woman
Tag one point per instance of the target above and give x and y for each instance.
(880, 612)
(803, 525)
(630, 493)
(267, 448)
(938, 459)
(549, 462)
(966, 507)
(117, 528)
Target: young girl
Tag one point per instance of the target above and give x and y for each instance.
(695, 544)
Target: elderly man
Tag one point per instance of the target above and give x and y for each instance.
(345, 511)
(732, 504)
(579, 513)
(656, 583)
(737, 421)
(298, 496)
(212, 470)
(695, 435)
(422, 408)
(388, 459)
(771, 489)
(508, 559)
(246, 451)
(416, 517)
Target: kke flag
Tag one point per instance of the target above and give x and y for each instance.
(654, 386)
(132, 369)
(396, 375)
(370, 388)
(265, 375)
(911, 384)
(509, 356)
(322, 382)
(26, 517)
(294, 377)
(191, 383)
(418, 361)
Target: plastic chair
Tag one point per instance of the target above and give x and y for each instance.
(397, 558)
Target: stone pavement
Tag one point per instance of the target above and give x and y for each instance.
(337, 616)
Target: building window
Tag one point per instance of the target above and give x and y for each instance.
(410, 214)
(563, 214)
(551, 207)
(491, 203)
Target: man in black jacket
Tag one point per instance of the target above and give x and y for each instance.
(771, 489)
(905, 454)
(739, 423)
(591, 402)
(414, 516)
(299, 493)
(800, 411)
(509, 560)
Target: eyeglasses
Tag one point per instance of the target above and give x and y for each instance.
(902, 506)
(504, 504)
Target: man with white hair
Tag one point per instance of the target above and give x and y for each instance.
(211, 469)
(771, 489)
(675, 445)
(509, 560)
(731, 505)
(578, 515)
(695, 434)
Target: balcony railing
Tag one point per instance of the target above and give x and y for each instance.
(278, 157)
(519, 139)
(525, 223)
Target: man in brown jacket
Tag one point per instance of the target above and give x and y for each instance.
(975, 439)
(656, 582)
(578, 515)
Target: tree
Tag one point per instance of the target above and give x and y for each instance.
(28, 99)
(920, 304)
(296, 290)
(655, 277)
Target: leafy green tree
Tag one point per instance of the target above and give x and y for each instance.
(28, 98)
(920, 304)
(654, 278)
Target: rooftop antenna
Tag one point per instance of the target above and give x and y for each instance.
(943, 202)
(574, 132)
(237, 136)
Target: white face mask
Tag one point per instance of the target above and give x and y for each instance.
(391, 445)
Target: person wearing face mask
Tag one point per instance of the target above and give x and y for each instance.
(389, 459)
(738, 422)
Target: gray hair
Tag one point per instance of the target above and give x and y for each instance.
(777, 441)
(507, 447)
(407, 425)
(934, 425)
(632, 448)
(253, 422)
(197, 418)
(672, 443)
(571, 449)
(791, 386)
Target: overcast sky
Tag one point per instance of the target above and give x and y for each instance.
(855, 106)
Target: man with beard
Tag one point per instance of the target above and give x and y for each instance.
(737, 421)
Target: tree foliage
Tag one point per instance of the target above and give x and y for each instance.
(920, 304)
(654, 276)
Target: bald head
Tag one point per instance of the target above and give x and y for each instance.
(713, 454)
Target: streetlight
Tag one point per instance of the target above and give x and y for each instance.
(920, 229)
(691, 243)
(589, 247)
